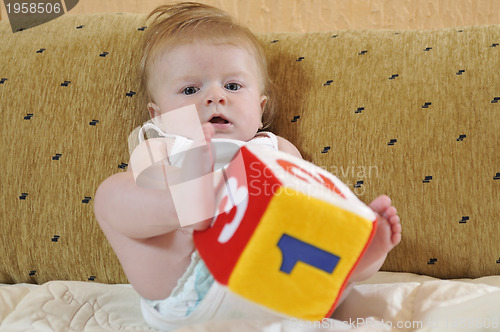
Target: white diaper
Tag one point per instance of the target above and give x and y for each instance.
(191, 288)
(197, 298)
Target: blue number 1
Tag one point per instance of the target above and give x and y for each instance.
(294, 250)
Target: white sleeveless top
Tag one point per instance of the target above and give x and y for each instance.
(266, 138)
(182, 143)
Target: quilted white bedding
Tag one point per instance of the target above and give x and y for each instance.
(386, 302)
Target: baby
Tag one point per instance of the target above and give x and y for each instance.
(194, 54)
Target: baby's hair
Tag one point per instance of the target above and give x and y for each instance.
(176, 24)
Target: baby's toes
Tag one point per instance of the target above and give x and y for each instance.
(396, 237)
(395, 230)
(395, 224)
(394, 219)
(390, 212)
(380, 204)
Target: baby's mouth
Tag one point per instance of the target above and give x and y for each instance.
(219, 123)
(218, 120)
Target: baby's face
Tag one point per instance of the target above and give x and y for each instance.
(222, 80)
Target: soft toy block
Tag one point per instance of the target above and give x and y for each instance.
(287, 234)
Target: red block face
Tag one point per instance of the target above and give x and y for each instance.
(243, 199)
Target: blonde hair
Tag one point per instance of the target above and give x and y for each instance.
(180, 23)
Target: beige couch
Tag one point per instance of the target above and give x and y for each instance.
(412, 114)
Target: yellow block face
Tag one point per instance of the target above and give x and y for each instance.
(300, 255)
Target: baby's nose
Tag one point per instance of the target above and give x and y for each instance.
(215, 97)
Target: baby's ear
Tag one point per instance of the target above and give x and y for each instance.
(263, 101)
(153, 109)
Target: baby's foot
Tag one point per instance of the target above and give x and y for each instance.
(387, 236)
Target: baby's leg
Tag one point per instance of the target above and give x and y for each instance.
(387, 236)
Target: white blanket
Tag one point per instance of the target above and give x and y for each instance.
(386, 302)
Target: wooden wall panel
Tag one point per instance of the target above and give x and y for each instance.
(324, 15)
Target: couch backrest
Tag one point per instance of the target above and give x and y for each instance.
(413, 114)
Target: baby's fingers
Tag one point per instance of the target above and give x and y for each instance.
(208, 131)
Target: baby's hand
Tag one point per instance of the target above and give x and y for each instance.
(208, 131)
(198, 159)
(198, 164)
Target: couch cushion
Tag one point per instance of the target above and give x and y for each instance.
(413, 114)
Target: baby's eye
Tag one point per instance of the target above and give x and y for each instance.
(190, 90)
(233, 86)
